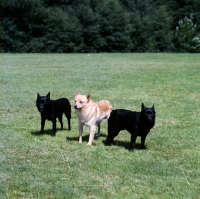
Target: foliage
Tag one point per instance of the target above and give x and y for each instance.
(96, 26)
(187, 38)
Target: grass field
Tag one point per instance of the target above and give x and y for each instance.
(59, 167)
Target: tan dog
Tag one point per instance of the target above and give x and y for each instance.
(90, 113)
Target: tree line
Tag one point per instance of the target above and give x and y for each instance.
(66, 26)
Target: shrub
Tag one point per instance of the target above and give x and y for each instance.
(187, 38)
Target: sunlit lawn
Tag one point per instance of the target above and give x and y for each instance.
(35, 166)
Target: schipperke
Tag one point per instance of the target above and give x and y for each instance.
(137, 123)
(52, 109)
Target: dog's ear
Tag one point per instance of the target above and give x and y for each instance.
(153, 107)
(88, 96)
(77, 93)
(142, 106)
(48, 95)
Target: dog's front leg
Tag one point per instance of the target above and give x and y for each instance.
(92, 132)
(54, 127)
(80, 128)
(143, 137)
(42, 125)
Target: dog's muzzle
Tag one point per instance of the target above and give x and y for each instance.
(41, 110)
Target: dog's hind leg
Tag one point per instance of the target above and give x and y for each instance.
(92, 132)
(69, 126)
(68, 116)
(61, 122)
(98, 133)
(133, 140)
(112, 133)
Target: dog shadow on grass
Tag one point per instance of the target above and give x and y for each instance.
(124, 144)
(46, 132)
(85, 138)
(37, 133)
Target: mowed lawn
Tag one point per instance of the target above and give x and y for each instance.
(34, 166)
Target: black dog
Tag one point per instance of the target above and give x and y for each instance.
(52, 109)
(137, 123)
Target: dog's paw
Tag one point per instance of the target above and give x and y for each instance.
(97, 135)
(80, 140)
(88, 144)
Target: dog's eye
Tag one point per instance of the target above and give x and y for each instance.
(81, 102)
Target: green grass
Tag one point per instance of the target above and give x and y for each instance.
(59, 167)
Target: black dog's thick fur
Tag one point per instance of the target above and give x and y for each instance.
(137, 123)
(52, 109)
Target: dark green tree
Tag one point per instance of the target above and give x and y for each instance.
(98, 26)
(115, 27)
